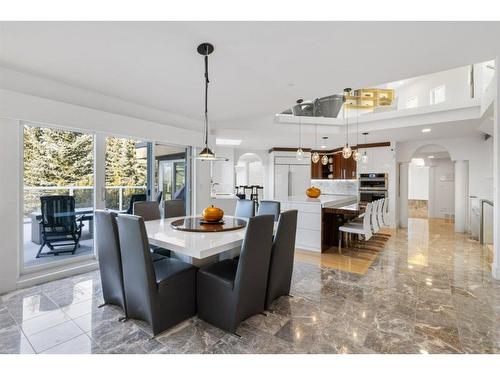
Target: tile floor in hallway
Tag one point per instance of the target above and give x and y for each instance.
(429, 291)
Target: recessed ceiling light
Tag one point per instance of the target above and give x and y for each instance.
(431, 156)
(227, 142)
(323, 146)
(426, 130)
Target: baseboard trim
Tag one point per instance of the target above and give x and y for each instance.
(44, 276)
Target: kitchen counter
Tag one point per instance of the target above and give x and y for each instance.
(326, 200)
(310, 216)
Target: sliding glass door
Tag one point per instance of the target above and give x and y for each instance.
(126, 172)
(172, 173)
(58, 195)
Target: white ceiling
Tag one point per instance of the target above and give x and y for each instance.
(257, 69)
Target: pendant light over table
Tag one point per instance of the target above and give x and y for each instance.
(206, 49)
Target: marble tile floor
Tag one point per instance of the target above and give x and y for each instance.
(429, 291)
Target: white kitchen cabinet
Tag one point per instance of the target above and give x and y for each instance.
(289, 175)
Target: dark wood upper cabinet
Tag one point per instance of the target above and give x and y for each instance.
(337, 168)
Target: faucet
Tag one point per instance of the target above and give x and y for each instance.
(213, 190)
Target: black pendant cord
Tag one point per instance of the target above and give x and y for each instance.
(206, 99)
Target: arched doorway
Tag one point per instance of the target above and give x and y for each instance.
(249, 170)
(431, 173)
(431, 189)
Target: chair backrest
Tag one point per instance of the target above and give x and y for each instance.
(244, 208)
(270, 208)
(135, 198)
(373, 216)
(282, 255)
(380, 212)
(385, 212)
(250, 283)
(174, 208)
(58, 211)
(139, 277)
(367, 221)
(110, 259)
(158, 197)
(147, 210)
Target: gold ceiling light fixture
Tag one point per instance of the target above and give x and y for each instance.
(206, 49)
(346, 151)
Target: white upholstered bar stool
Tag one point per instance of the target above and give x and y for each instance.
(363, 230)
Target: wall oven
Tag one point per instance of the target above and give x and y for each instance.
(372, 186)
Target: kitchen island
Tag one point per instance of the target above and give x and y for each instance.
(311, 226)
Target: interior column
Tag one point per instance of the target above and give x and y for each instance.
(496, 172)
(461, 192)
(403, 194)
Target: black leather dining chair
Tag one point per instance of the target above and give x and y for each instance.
(162, 293)
(147, 210)
(282, 254)
(151, 211)
(270, 208)
(174, 208)
(244, 208)
(228, 292)
(110, 260)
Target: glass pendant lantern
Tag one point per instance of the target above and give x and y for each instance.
(364, 158)
(346, 151)
(356, 155)
(324, 160)
(300, 152)
(315, 155)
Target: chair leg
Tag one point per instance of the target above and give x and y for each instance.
(340, 243)
(40, 249)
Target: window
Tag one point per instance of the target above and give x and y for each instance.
(412, 102)
(438, 94)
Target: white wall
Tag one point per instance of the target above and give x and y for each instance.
(418, 181)
(456, 82)
(16, 107)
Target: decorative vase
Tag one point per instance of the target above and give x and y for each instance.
(212, 214)
(313, 192)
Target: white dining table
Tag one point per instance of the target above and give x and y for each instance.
(195, 247)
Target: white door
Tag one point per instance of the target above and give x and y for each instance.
(300, 176)
(281, 181)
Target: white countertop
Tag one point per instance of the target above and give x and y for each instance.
(326, 200)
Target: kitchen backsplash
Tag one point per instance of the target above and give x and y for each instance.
(341, 187)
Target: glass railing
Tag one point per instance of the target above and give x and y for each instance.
(117, 197)
(486, 222)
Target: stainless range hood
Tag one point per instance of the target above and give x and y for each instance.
(328, 106)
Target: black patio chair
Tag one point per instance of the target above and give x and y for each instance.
(135, 198)
(61, 227)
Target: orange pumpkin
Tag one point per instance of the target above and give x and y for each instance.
(313, 192)
(212, 213)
